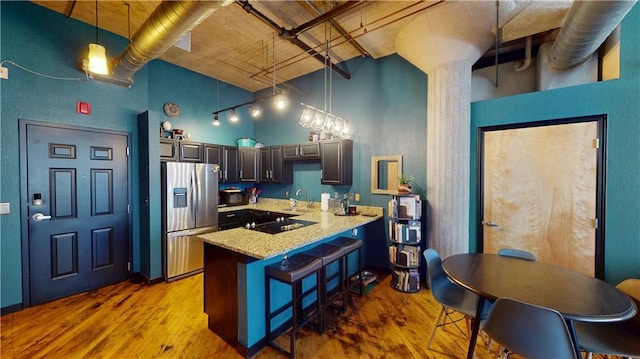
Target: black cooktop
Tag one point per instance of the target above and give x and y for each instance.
(284, 225)
(240, 218)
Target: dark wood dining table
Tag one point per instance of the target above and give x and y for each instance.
(575, 295)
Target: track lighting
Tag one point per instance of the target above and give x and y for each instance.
(234, 116)
(255, 111)
(215, 122)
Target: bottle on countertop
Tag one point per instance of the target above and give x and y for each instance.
(345, 203)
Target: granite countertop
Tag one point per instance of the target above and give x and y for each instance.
(262, 245)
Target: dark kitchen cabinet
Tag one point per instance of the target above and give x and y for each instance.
(273, 168)
(226, 157)
(190, 151)
(301, 151)
(230, 164)
(249, 166)
(168, 149)
(336, 162)
(212, 154)
(150, 152)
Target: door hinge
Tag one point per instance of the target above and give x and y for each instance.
(127, 151)
(129, 266)
(596, 143)
(128, 209)
(595, 223)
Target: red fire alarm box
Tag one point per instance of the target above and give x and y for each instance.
(83, 108)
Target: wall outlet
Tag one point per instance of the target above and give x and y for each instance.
(286, 194)
(357, 197)
(354, 232)
(4, 73)
(5, 208)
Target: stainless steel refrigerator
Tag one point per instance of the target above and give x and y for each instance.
(190, 208)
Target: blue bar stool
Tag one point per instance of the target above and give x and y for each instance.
(292, 272)
(329, 254)
(350, 245)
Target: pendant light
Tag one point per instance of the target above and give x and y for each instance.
(216, 121)
(97, 54)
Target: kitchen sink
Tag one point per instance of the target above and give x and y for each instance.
(297, 210)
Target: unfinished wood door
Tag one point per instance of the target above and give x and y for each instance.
(539, 187)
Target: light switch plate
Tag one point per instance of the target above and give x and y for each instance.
(5, 208)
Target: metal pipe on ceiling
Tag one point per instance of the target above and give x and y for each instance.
(72, 6)
(166, 25)
(354, 34)
(286, 34)
(327, 16)
(363, 52)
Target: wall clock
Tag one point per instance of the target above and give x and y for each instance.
(171, 109)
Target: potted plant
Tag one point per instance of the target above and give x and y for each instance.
(404, 183)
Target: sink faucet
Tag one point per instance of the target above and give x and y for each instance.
(308, 197)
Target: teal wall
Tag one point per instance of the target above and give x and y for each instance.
(49, 43)
(620, 101)
(385, 100)
(196, 96)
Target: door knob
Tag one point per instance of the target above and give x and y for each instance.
(39, 217)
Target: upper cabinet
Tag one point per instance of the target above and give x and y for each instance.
(336, 162)
(226, 157)
(168, 149)
(273, 164)
(273, 168)
(174, 150)
(190, 151)
(249, 171)
(301, 151)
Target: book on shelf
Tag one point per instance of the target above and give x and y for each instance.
(405, 255)
(409, 207)
(405, 232)
(406, 280)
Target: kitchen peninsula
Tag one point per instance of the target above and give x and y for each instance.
(234, 262)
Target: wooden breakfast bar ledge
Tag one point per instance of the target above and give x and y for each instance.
(234, 262)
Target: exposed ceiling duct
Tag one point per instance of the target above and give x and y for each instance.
(587, 25)
(163, 28)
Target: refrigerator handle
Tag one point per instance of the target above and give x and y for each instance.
(193, 194)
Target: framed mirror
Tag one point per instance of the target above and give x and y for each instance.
(385, 171)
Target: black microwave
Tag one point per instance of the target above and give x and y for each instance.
(233, 197)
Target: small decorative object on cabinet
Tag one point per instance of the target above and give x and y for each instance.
(405, 234)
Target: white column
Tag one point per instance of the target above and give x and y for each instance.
(445, 50)
(448, 155)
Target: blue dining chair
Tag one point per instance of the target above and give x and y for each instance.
(529, 330)
(617, 338)
(452, 297)
(516, 253)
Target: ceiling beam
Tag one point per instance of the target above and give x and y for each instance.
(288, 35)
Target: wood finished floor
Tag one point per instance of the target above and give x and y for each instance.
(130, 320)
